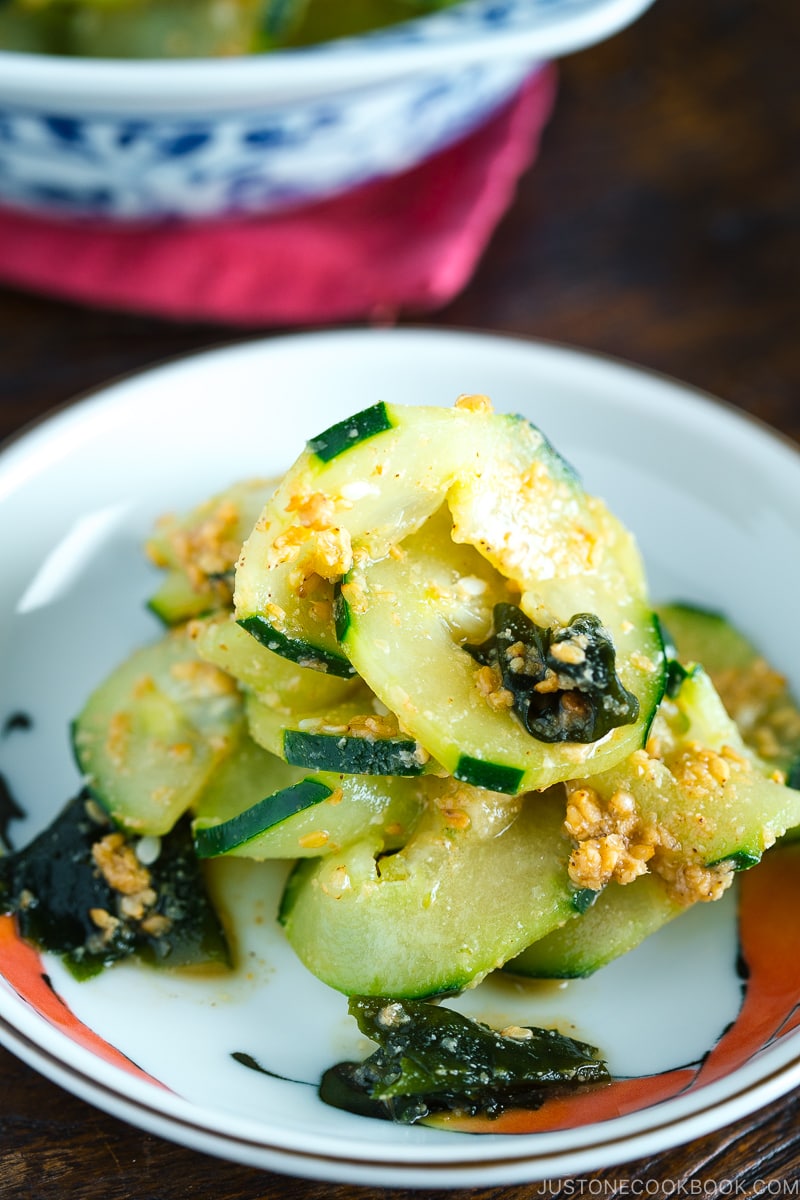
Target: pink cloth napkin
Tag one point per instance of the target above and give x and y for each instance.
(407, 243)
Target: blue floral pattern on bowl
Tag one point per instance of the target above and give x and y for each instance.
(146, 141)
(157, 167)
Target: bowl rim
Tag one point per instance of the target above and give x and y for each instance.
(553, 29)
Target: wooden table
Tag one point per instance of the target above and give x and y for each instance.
(660, 225)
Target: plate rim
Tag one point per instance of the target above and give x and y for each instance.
(96, 394)
(525, 1166)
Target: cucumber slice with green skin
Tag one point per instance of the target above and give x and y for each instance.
(199, 551)
(338, 738)
(404, 623)
(371, 481)
(620, 918)
(314, 647)
(482, 876)
(711, 821)
(274, 679)
(177, 600)
(703, 636)
(351, 432)
(152, 733)
(705, 794)
(755, 695)
(289, 701)
(242, 779)
(316, 816)
(356, 755)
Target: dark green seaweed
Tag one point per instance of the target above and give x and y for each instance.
(53, 886)
(580, 701)
(431, 1059)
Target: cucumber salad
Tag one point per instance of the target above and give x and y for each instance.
(159, 29)
(425, 669)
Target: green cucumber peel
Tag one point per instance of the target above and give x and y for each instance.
(214, 840)
(296, 650)
(348, 433)
(351, 755)
(495, 777)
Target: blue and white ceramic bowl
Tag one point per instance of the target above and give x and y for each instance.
(144, 140)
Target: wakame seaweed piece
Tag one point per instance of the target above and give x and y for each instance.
(60, 889)
(563, 680)
(432, 1059)
(409, 616)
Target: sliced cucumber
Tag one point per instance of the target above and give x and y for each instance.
(482, 876)
(701, 792)
(293, 712)
(177, 599)
(150, 736)
(277, 681)
(318, 815)
(620, 918)
(755, 695)
(705, 809)
(199, 551)
(404, 622)
(312, 643)
(241, 780)
(703, 636)
(351, 737)
(350, 432)
(356, 492)
(353, 753)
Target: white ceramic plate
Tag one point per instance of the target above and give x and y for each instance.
(715, 501)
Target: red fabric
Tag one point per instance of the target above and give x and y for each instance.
(407, 242)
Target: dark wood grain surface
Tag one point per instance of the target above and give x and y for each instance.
(661, 224)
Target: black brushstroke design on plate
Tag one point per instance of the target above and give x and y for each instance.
(17, 721)
(10, 810)
(247, 1060)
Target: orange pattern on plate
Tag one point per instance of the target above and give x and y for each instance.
(769, 934)
(21, 967)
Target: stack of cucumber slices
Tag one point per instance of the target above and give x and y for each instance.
(425, 668)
